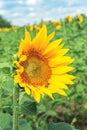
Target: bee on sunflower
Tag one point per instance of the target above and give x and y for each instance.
(42, 67)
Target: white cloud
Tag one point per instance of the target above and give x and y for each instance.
(16, 14)
(29, 2)
(72, 2)
(32, 14)
(33, 2)
(48, 18)
(20, 21)
(63, 11)
(2, 12)
(20, 2)
(31, 8)
(1, 3)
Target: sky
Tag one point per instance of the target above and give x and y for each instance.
(22, 12)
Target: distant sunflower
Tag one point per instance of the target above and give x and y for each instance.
(30, 27)
(58, 25)
(42, 68)
(69, 19)
(80, 19)
(37, 28)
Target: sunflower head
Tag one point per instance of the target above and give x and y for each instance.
(80, 19)
(69, 19)
(30, 27)
(42, 67)
(37, 28)
(58, 25)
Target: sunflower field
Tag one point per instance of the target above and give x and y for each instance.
(20, 110)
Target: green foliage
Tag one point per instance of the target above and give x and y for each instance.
(5, 121)
(70, 109)
(4, 22)
(23, 125)
(28, 107)
(60, 126)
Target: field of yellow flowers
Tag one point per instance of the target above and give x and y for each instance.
(15, 104)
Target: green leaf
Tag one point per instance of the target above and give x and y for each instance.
(6, 68)
(80, 88)
(29, 107)
(5, 64)
(27, 127)
(51, 113)
(39, 128)
(85, 106)
(8, 85)
(41, 108)
(23, 125)
(5, 121)
(60, 126)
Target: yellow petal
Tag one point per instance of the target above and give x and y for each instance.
(50, 36)
(64, 79)
(23, 58)
(47, 91)
(62, 52)
(58, 90)
(57, 84)
(25, 44)
(17, 63)
(52, 46)
(22, 84)
(61, 92)
(27, 90)
(53, 53)
(64, 60)
(17, 78)
(36, 95)
(71, 77)
(20, 70)
(43, 46)
(27, 36)
(61, 70)
(40, 38)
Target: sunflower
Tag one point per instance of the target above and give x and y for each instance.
(69, 19)
(37, 28)
(58, 25)
(80, 19)
(42, 67)
(30, 27)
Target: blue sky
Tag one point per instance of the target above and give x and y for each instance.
(21, 12)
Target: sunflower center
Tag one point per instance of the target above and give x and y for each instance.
(33, 69)
(37, 70)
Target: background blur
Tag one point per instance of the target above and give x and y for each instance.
(21, 12)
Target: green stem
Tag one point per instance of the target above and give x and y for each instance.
(1, 98)
(15, 108)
